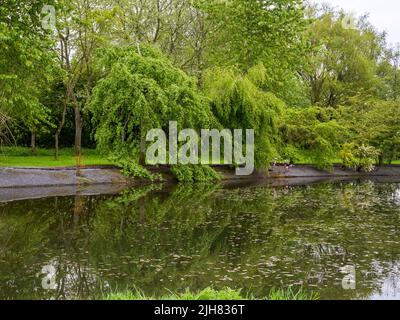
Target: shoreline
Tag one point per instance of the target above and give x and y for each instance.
(32, 183)
(16, 177)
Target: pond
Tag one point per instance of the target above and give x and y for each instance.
(162, 238)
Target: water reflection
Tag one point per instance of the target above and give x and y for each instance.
(160, 238)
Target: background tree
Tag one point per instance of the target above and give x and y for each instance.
(343, 62)
(81, 30)
(247, 32)
(177, 27)
(25, 63)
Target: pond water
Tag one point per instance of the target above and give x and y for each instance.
(169, 238)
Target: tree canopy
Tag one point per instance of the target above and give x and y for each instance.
(140, 90)
(313, 89)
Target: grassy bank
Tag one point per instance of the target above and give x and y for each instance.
(212, 294)
(23, 157)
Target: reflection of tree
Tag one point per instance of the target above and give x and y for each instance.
(157, 237)
(75, 277)
(49, 234)
(22, 230)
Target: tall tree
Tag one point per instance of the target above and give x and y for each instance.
(247, 32)
(81, 30)
(343, 62)
(25, 61)
(178, 27)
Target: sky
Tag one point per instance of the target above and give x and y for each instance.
(383, 14)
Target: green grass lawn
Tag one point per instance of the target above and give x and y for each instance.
(23, 157)
(305, 159)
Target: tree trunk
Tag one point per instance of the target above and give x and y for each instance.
(380, 161)
(142, 158)
(56, 145)
(142, 155)
(78, 131)
(60, 127)
(33, 142)
(78, 124)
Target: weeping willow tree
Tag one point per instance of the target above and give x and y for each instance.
(241, 101)
(140, 90)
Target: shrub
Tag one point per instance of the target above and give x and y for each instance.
(360, 158)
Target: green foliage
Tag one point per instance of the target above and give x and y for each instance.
(4, 128)
(212, 294)
(348, 157)
(239, 101)
(195, 173)
(359, 157)
(206, 294)
(247, 32)
(289, 154)
(26, 62)
(290, 294)
(343, 61)
(314, 131)
(141, 90)
(379, 127)
(244, 27)
(131, 168)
